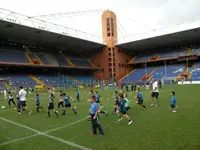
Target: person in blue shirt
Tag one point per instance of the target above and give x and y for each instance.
(94, 110)
(173, 101)
(78, 95)
(122, 109)
(139, 98)
(116, 102)
(37, 102)
(67, 104)
(98, 102)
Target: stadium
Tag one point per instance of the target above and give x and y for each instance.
(40, 55)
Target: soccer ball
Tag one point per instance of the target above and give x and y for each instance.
(3, 107)
(75, 107)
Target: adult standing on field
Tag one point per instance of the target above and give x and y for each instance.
(155, 93)
(22, 97)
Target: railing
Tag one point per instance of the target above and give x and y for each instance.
(20, 19)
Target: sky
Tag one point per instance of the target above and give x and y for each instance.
(134, 16)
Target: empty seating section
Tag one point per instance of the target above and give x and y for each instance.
(85, 79)
(195, 51)
(49, 80)
(1, 85)
(43, 59)
(62, 61)
(143, 58)
(195, 71)
(172, 53)
(12, 56)
(159, 73)
(19, 80)
(170, 71)
(79, 62)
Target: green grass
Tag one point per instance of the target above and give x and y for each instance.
(153, 129)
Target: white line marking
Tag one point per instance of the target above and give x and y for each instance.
(66, 125)
(19, 139)
(45, 134)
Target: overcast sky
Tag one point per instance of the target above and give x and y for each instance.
(134, 16)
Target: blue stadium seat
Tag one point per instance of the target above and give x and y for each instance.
(14, 56)
(79, 62)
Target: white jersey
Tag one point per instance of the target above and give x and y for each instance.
(22, 95)
(5, 92)
(155, 86)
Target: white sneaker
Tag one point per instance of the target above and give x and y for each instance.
(120, 119)
(174, 111)
(152, 105)
(30, 112)
(19, 113)
(130, 122)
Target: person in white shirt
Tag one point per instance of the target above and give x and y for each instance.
(22, 97)
(5, 94)
(147, 86)
(155, 93)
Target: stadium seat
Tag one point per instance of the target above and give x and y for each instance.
(79, 62)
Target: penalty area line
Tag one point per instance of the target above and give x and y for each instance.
(44, 134)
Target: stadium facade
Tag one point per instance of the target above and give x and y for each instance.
(35, 52)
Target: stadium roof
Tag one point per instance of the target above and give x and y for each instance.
(26, 30)
(182, 38)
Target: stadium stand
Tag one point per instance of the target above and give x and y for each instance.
(80, 62)
(1, 85)
(195, 71)
(16, 80)
(12, 56)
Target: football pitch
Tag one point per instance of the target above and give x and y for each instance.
(156, 128)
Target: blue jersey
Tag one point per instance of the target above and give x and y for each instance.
(173, 100)
(66, 99)
(97, 97)
(122, 104)
(18, 101)
(77, 92)
(140, 96)
(37, 100)
(93, 108)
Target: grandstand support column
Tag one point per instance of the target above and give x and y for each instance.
(165, 68)
(145, 65)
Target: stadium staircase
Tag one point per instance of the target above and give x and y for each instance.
(73, 79)
(32, 58)
(89, 61)
(37, 80)
(126, 75)
(69, 62)
(155, 57)
(188, 51)
(149, 76)
(5, 84)
(132, 60)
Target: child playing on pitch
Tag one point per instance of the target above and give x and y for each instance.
(67, 104)
(122, 109)
(11, 99)
(78, 95)
(116, 102)
(94, 110)
(98, 102)
(127, 105)
(173, 101)
(140, 98)
(61, 101)
(37, 102)
(51, 105)
(98, 99)
(18, 104)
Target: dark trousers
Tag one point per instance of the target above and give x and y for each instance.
(77, 97)
(11, 100)
(60, 104)
(96, 125)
